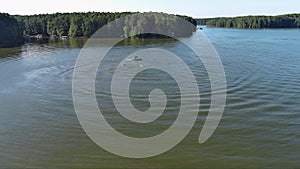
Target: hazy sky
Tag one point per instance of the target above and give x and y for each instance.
(195, 8)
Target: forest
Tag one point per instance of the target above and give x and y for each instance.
(10, 32)
(15, 29)
(253, 22)
(66, 24)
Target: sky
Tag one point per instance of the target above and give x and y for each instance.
(194, 8)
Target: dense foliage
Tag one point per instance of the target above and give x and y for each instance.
(66, 24)
(10, 32)
(150, 25)
(256, 22)
(85, 24)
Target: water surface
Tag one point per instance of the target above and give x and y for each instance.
(259, 128)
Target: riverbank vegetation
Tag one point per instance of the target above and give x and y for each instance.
(14, 29)
(253, 22)
(66, 24)
(86, 24)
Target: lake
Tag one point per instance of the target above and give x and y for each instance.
(259, 127)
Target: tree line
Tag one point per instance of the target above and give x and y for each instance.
(149, 25)
(253, 22)
(85, 24)
(14, 28)
(66, 24)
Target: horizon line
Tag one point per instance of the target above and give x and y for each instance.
(242, 15)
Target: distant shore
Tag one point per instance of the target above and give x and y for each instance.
(253, 22)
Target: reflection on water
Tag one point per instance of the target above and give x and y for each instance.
(10, 52)
(69, 43)
(259, 129)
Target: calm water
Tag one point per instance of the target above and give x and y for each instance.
(259, 128)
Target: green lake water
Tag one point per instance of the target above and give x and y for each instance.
(259, 129)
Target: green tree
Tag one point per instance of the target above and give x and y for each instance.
(10, 32)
